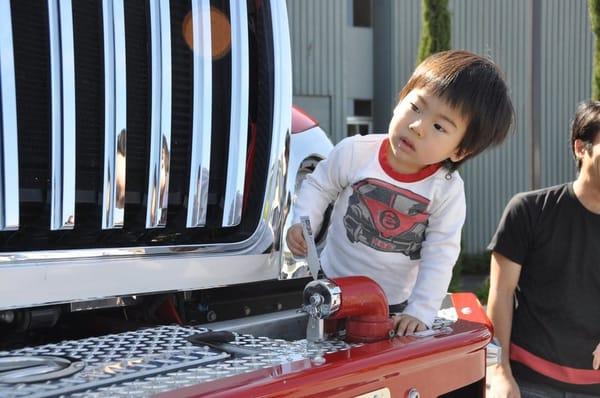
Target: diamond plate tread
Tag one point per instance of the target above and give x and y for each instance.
(149, 361)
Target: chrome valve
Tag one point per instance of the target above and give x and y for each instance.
(321, 299)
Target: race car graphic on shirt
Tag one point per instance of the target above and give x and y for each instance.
(386, 217)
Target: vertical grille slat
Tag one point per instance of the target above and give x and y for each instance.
(9, 159)
(282, 59)
(202, 117)
(238, 135)
(160, 118)
(115, 114)
(62, 72)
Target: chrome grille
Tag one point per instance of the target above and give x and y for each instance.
(156, 144)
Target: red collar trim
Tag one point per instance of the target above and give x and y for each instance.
(389, 170)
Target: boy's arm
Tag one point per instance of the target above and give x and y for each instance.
(439, 253)
(504, 276)
(322, 186)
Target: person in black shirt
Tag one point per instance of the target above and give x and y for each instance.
(544, 296)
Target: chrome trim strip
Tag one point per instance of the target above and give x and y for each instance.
(68, 281)
(282, 112)
(115, 114)
(202, 115)
(160, 118)
(260, 242)
(238, 125)
(9, 155)
(282, 91)
(62, 82)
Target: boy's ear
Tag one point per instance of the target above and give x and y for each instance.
(458, 155)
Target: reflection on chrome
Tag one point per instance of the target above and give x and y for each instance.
(9, 158)
(202, 114)
(160, 118)
(62, 81)
(115, 114)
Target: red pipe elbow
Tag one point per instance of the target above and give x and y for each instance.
(361, 296)
(365, 308)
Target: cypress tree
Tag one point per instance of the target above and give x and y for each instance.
(594, 10)
(435, 28)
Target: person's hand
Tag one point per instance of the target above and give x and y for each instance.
(295, 240)
(406, 324)
(596, 353)
(502, 383)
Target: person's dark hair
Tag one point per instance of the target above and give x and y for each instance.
(474, 85)
(585, 126)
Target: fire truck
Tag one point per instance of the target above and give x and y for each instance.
(149, 156)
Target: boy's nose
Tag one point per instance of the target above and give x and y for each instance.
(415, 127)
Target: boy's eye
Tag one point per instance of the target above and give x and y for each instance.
(439, 127)
(414, 107)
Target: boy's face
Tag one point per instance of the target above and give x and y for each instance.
(425, 130)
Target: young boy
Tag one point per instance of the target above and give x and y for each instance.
(399, 201)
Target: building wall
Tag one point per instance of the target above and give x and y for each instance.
(502, 31)
(317, 35)
(535, 43)
(566, 80)
(544, 48)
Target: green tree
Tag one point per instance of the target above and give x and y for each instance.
(594, 10)
(435, 28)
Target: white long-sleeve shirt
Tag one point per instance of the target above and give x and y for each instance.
(401, 230)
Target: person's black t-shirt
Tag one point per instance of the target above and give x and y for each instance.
(556, 240)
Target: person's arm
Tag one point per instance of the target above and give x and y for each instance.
(504, 276)
(323, 185)
(318, 190)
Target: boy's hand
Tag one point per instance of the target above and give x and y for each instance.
(295, 240)
(596, 362)
(406, 324)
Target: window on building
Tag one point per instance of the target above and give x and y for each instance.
(361, 13)
(362, 108)
(361, 122)
(357, 125)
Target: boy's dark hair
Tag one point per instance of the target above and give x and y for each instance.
(474, 85)
(585, 127)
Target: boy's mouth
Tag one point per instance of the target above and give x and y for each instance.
(404, 143)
